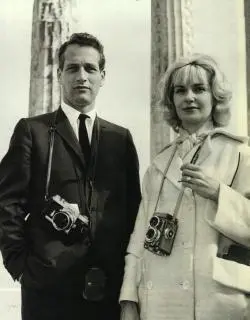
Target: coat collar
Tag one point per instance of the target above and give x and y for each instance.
(174, 172)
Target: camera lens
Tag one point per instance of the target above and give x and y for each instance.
(169, 233)
(155, 222)
(61, 220)
(152, 235)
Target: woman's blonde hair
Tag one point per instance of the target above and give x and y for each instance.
(221, 94)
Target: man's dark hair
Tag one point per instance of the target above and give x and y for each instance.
(82, 39)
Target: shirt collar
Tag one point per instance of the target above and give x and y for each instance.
(73, 114)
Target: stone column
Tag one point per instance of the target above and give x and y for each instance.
(51, 27)
(247, 28)
(171, 37)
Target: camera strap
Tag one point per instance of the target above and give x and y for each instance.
(164, 175)
(89, 192)
(52, 130)
(180, 196)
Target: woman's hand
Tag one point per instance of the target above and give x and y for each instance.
(194, 178)
(129, 310)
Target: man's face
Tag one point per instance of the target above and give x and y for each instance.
(81, 77)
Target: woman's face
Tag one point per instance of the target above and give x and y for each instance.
(192, 96)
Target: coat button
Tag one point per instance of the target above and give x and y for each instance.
(149, 285)
(185, 285)
(187, 244)
(188, 191)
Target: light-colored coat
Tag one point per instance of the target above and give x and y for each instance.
(193, 282)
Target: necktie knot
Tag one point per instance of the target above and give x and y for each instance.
(83, 117)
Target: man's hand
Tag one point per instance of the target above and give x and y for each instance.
(194, 178)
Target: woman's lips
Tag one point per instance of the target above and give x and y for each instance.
(190, 109)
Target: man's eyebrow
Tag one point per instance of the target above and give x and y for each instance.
(91, 64)
(72, 64)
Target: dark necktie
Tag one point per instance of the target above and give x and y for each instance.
(83, 137)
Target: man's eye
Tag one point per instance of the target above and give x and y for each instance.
(90, 69)
(72, 68)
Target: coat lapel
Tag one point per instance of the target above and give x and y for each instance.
(205, 150)
(101, 142)
(64, 129)
(208, 145)
(174, 173)
(211, 161)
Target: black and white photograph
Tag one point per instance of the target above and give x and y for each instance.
(125, 160)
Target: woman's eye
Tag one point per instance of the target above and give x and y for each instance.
(180, 90)
(199, 89)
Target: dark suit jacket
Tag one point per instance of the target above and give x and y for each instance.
(47, 259)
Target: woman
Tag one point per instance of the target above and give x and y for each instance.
(203, 179)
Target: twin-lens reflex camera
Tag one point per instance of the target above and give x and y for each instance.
(161, 233)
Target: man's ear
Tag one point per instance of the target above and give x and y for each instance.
(59, 75)
(103, 75)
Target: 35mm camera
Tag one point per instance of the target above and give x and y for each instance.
(65, 217)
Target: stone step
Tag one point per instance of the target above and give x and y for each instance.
(10, 303)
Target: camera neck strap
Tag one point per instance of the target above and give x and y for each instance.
(180, 196)
(52, 130)
(164, 175)
(90, 171)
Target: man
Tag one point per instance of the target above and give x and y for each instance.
(58, 166)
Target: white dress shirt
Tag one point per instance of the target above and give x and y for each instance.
(73, 115)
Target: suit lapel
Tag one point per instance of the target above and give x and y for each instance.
(101, 128)
(64, 129)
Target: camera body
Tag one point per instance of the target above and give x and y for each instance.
(65, 217)
(161, 234)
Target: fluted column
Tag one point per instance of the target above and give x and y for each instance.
(51, 26)
(247, 29)
(171, 37)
